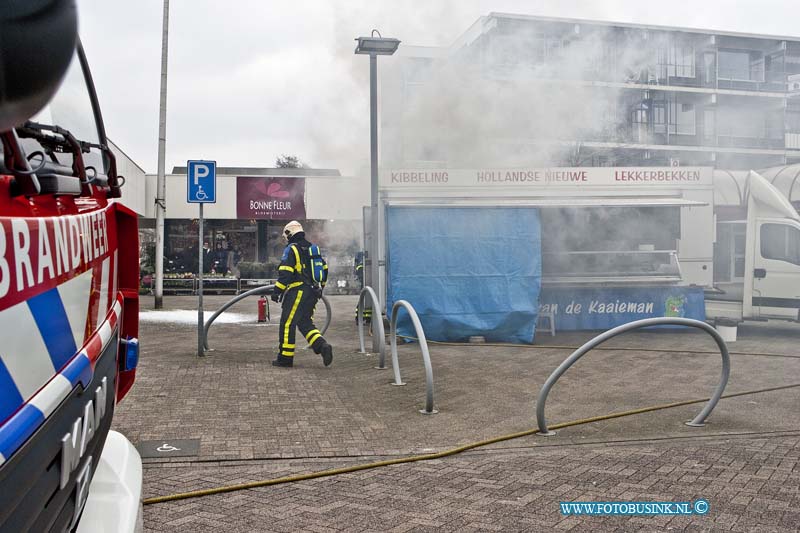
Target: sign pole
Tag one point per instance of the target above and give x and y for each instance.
(200, 321)
(201, 188)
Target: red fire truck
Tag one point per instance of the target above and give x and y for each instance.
(68, 287)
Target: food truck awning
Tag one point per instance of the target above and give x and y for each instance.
(593, 201)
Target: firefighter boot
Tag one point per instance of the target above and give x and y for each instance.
(324, 349)
(327, 354)
(283, 361)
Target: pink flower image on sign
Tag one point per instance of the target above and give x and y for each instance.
(270, 198)
(273, 190)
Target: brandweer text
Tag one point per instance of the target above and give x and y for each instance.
(39, 250)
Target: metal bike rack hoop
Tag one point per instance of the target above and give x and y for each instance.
(264, 289)
(423, 344)
(698, 421)
(367, 291)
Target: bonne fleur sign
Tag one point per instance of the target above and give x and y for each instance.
(270, 198)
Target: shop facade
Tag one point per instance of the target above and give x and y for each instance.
(242, 230)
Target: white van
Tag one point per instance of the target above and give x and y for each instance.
(756, 255)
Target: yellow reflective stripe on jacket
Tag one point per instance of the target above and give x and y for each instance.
(286, 267)
(293, 285)
(280, 285)
(297, 266)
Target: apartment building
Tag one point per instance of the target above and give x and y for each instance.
(536, 91)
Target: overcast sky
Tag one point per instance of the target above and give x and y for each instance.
(252, 79)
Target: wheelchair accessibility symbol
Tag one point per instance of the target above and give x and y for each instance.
(200, 194)
(151, 449)
(167, 448)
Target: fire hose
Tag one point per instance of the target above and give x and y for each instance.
(438, 455)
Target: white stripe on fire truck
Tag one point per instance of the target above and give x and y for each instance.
(75, 298)
(105, 333)
(52, 395)
(117, 309)
(114, 276)
(102, 303)
(24, 351)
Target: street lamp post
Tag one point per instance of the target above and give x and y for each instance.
(161, 186)
(374, 47)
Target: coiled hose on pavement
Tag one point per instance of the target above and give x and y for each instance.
(437, 455)
(597, 348)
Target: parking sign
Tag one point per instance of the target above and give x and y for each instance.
(201, 187)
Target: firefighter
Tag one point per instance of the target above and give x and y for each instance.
(358, 268)
(298, 291)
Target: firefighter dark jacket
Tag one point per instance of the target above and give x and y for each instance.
(295, 263)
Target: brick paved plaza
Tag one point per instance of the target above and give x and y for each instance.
(257, 422)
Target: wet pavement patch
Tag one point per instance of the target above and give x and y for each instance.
(189, 316)
(149, 449)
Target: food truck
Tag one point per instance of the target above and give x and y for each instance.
(592, 247)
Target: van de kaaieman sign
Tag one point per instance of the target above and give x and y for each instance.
(270, 198)
(604, 308)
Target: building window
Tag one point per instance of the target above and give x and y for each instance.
(709, 124)
(681, 118)
(685, 119)
(793, 121)
(708, 68)
(774, 124)
(639, 115)
(604, 62)
(553, 48)
(781, 243)
(659, 115)
(741, 65)
(743, 122)
(639, 121)
(676, 61)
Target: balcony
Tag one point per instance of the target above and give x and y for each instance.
(752, 79)
(734, 141)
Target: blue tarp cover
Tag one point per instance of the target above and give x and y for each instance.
(466, 270)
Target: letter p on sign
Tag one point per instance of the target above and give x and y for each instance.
(200, 171)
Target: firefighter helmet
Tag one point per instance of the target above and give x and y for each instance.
(291, 228)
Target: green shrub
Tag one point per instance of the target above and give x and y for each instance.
(256, 270)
